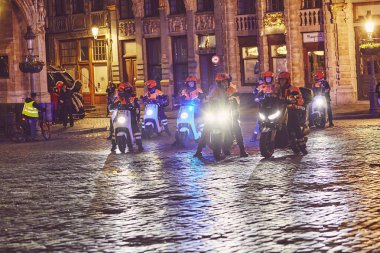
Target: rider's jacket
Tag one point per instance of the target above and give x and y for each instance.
(322, 87)
(153, 96)
(31, 108)
(123, 98)
(293, 95)
(191, 94)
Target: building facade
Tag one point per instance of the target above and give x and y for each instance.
(167, 40)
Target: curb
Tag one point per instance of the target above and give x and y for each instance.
(353, 116)
(81, 131)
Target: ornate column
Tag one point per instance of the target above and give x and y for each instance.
(114, 49)
(221, 34)
(263, 42)
(193, 64)
(138, 12)
(232, 43)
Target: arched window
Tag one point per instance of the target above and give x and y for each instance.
(246, 7)
(126, 11)
(151, 8)
(205, 5)
(177, 7)
(275, 5)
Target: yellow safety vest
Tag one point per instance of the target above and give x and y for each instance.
(29, 110)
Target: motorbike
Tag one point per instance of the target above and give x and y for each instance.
(151, 122)
(273, 120)
(318, 111)
(122, 125)
(218, 120)
(187, 129)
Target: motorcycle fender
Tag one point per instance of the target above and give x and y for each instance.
(265, 130)
(183, 130)
(149, 124)
(273, 137)
(122, 133)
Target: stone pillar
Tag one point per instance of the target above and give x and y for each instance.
(232, 43)
(138, 11)
(263, 42)
(220, 34)
(340, 40)
(193, 64)
(114, 49)
(166, 84)
(294, 42)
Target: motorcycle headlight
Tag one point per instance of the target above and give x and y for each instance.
(149, 112)
(223, 116)
(191, 108)
(274, 115)
(261, 116)
(184, 115)
(121, 120)
(319, 102)
(209, 117)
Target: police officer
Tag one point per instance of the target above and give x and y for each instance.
(321, 85)
(30, 111)
(224, 93)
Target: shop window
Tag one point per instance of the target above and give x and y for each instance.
(100, 50)
(126, 11)
(60, 7)
(205, 5)
(246, 7)
(278, 57)
(177, 7)
(97, 5)
(311, 4)
(4, 66)
(78, 6)
(275, 5)
(153, 48)
(151, 8)
(68, 52)
(180, 59)
(250, 65)
(100, 78)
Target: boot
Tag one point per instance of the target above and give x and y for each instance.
(167, 131)
(113, 146)
(139, 145)
(331, 124)
(243, 153)
(109, 137)
(198, 154)
(254, 137)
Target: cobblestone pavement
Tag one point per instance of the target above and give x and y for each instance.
(73, 195)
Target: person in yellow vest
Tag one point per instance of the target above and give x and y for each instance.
(30, 112)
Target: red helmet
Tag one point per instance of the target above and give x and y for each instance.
(284, 75)
(150, 84)
(59, 84)
(268, 74)
(125, 87)
(222, 77)
(191, 79)
(319, 75)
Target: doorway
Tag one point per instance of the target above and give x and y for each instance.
(314, 60)
(130, 70)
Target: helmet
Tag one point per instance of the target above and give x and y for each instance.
(191, 82)
(222, 77)
(268, 74)
(284, 75)
(125, 87)
(319, 75)
(59, 84)
(150, 84)
(191, 79)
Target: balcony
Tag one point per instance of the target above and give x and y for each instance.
(246, 24)
(205, 22)
(98, 18)
(152, 26)
(60, 24)
(127, 28)
(311, 20)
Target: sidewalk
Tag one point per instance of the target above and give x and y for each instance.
(97, 122)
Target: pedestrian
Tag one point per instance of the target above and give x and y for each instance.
(30, 112)
(110, 95)
(325, 89)
(378, 93)
(65, 99)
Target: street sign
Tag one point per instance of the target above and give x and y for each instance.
(215, 59)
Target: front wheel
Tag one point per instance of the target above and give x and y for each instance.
(320, 121)
(121, 143)
(183, 138)
(45, 130)
(266, 145)
(217, 146)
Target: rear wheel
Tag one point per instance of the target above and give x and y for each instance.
(320, 121)
(121, 143)
(45, 130)
(183, 138)
(18, 134)
(266, 145)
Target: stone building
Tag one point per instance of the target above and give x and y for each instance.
(167, 40)
(15, 18)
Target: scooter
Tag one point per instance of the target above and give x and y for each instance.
(319, 111)
(187, 130)
(218, 122)
(122, 124)
(151, 123)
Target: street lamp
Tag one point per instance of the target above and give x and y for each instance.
(370, 27)
(29, 37)
(95, 32)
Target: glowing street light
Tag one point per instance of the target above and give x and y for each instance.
(370, 27)
(95, 32)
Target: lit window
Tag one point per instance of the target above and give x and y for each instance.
(100, 50)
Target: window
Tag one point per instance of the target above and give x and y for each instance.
(151, 8)
(4, 66)
(180, 61)
(100, 50)
(250, 64)
(246, 7)
(96, 5)
(177, 7)
(311, 4)
(126, 11)
(68, 52)
(84, 52)
(275, 5)
(78, 6)
(205, 5)
(60, 7)
(153, 48)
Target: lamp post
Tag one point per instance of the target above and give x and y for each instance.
(29, 37)
(369, 27)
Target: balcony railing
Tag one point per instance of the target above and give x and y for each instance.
(246, 23)
(152, 26)
(60, 24)
(127, 28)
(98, 18)
(311, 19)
(78, 21)
(205, 22)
